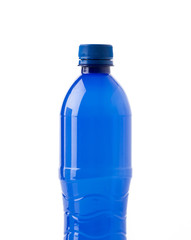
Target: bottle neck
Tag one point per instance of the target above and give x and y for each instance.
(95, 69)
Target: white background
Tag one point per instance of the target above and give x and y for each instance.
(38, 62)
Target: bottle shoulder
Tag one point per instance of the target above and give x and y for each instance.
(95, 94)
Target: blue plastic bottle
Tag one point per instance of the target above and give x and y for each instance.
(95, 166)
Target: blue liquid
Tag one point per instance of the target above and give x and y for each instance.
(95, 166)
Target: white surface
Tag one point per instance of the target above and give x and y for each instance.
(38, 56)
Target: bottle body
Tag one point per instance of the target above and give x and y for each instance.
(95, 168)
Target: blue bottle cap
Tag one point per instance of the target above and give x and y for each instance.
(95, 54)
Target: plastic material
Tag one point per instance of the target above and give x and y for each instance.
(95, 168)
(95, 54)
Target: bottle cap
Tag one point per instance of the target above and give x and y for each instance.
(95, 54)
